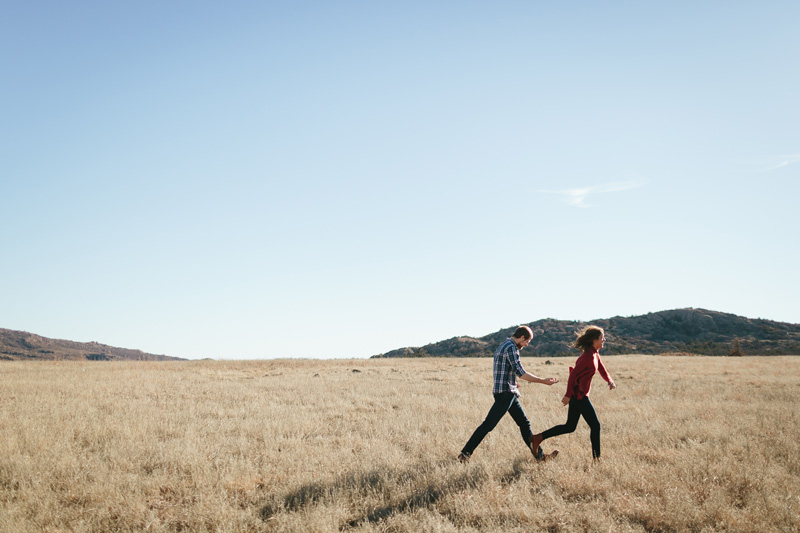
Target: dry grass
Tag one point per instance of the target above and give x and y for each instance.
(689, 444)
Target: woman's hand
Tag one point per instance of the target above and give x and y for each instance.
(612, 385)
(565, 399)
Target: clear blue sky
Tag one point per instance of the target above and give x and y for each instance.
(339, 179)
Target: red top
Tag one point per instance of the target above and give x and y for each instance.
(580, 377)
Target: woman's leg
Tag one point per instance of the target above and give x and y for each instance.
(572, 421)
(501, 404)
(589, 414)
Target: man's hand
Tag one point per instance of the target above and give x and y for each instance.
(527, 376)
(612, 385)
(565, 399)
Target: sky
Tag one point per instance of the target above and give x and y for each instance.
(257, 180)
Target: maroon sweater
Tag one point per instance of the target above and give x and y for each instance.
(580, 377)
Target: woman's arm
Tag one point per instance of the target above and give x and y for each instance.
(604, 373)
(580, 365)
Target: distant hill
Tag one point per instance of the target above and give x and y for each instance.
(20, 345)
(685, 331)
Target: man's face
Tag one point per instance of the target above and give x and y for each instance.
(521, 343)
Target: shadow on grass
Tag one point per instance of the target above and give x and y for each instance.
(520, 466)
(421, 486)
(424, 498)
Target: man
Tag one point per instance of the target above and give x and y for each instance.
(507, 367)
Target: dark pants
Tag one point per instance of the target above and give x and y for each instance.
(579, 408)
(505, 402)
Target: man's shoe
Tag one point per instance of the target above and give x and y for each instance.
(542, 457)
(463, 458)
(551, 455)
(538, 454)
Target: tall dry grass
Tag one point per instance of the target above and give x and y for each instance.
(689, 444)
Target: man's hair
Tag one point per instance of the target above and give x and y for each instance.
(523, 332)
(587, 336)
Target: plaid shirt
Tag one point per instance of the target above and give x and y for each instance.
(507, 367)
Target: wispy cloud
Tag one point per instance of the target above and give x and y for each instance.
(578, 196)
(785, 162)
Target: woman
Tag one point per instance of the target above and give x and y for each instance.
(590, 340)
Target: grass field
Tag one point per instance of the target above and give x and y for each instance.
(689, 444)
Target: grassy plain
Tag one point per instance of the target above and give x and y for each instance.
(689, 444)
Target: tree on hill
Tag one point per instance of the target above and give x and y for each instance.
(697, 331)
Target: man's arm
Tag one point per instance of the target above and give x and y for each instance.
(513, 357)
(527, 376)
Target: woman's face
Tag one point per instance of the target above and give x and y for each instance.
(599, 341)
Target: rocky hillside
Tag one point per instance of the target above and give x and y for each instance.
(688, 331)
(20, 345)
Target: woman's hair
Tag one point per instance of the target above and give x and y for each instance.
(586, 338)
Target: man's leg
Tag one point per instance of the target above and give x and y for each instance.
(518, 414)
(501, 404)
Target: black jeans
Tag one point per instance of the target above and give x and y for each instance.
(505, 402)
(579, 408)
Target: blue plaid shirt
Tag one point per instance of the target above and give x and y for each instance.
(507, 367)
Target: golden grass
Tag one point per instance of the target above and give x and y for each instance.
(689, 444)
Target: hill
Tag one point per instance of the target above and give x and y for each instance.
(21, 345)
(691, 331)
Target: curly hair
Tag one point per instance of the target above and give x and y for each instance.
(587, 336)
